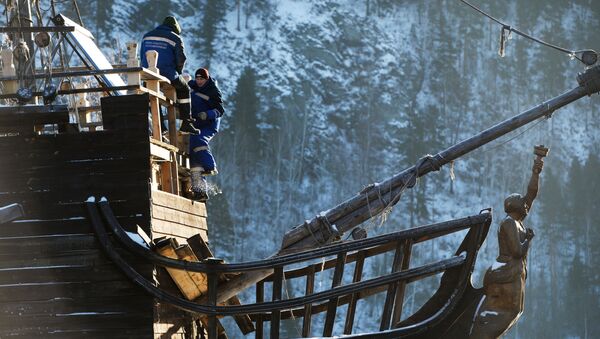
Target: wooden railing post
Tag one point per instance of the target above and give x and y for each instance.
(133, 61)
(213, 281)
(358, 269)
(260, 297)
(310, 288)
(338, 274)
(154, 85)
(276, 315)
(398, 304)
(391, 291)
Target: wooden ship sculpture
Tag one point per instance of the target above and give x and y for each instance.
(77, 192)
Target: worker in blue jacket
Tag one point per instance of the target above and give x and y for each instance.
(166, 41)
(207, 110)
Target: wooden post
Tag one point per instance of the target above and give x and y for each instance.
(153, 85)
(276, 315)
(213, 281)
(133, 61)
(170, 93)
(399, 303)
(8, 70)
(310, 288)
(260, 297)
(391, 291)
(358, 269)
(338, 274)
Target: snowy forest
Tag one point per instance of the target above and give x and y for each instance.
(324, 97)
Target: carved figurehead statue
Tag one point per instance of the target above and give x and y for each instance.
(504, 282)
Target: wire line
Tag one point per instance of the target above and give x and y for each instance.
(525, 35)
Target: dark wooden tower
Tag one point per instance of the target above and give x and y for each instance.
(55, 280)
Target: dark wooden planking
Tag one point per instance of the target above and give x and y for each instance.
(125, 112)
(36, 207)
(132, 304)
(47, 245)
(52, 274)
(87, 333)
(31, 227)
(88, 257)
(33, 324)
(34, 292)
(101, 143)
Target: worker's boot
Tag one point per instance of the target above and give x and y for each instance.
(199, 184)
(188, 127)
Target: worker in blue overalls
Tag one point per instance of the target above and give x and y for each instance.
(165, 40)
(207, 110)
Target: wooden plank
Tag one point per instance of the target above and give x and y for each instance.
(153, 88)
(276, 315)
(90, 257)
(176, 230)
(31, 325)
(50, 307)
(399, 303)
(391, 291)
(128, 112)
(199, 246)
(175, 216)
(338, 274)
(260, 297)
(53, 274)
(171, 115)
(10, 213)
(124, 333)
(200, 279)
(44, 291)
(41, 207)
(307, 318)
(47, 245)
(147, 74)
(176, 202)
(40, 227)
(160, 152)
(358, 269)
(189, 287)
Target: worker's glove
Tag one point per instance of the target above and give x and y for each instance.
(211, 114)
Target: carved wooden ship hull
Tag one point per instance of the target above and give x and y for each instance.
(70, 267)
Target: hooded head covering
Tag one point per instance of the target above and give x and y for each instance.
(172, 23)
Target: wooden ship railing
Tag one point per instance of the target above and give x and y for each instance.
(455, 280)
